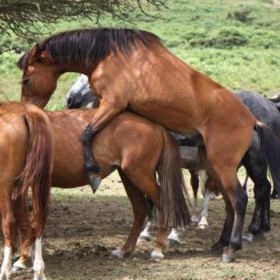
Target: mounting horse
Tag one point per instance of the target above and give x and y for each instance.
(81, 94)
(132, 69)
(137, 148)
(26, 159)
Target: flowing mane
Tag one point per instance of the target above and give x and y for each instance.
(91, 46)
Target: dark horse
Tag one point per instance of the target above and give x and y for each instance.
(133, 69)
(81, 94)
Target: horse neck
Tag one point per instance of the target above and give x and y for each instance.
(83, 69)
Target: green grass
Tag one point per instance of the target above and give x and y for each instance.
(233, 42)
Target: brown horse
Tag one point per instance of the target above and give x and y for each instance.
(25, 159)
(132, 69)
(137, 148)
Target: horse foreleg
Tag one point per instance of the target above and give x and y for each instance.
(106, 112)
(203, 224)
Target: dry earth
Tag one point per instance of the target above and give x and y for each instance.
(83, 229)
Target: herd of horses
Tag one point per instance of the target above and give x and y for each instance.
(140, 89)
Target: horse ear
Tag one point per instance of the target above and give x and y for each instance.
(40, 54)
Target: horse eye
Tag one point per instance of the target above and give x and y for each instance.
(25, 81)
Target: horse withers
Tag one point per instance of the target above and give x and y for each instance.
(132, 69)
(26, 150)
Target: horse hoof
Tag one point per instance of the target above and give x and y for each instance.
(156, 256)
(145, 237)
(217, 248)
(173, 242)
(194, 220)
(118, 254)
(42, 277)
(226, 258)
(202, 226)
(94, 182)
(18, 265)
(247, 239)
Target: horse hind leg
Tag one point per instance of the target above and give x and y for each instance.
(9, 230)
(257, 170)
(139, 206)
(147, 233)
(195, 185)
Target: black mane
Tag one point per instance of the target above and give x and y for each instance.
(90, 46)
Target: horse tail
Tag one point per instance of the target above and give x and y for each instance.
(172, 191)
(38, 167)
(270, 150)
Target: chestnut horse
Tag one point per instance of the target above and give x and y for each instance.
(26, 149)
(132, 69)
(137, 148)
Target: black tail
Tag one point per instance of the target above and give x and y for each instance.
(270, 149)
(173, 191)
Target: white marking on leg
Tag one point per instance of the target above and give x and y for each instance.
(38, 265)
(157, 255)
(118, 253)
(146, 234)
(195, 218)
(174, 237)
(203, 224)
(6, 268)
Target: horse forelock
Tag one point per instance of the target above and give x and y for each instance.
(90, 46)
(22, 62)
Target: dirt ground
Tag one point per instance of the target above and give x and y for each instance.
(84, 228)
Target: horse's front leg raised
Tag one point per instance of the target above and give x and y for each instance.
(107, 110)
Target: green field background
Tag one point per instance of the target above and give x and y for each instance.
(237, 43)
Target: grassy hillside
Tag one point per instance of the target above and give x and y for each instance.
(234, 42)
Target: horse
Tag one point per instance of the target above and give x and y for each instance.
(26, 160)
(81, 95)
(132, 69)
(134, 146)
(262, 109)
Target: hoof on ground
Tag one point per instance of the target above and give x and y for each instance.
(202, 226)
(42, 277)
(157, 256)
(194, 220)
(247, 239)
(144, 237)
(217, 248)
(117, 254)
(173, 242)
(228, 258)
(18, 265)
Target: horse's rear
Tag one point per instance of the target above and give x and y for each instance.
(25, 159)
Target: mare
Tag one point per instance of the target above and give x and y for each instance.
(132, 69)
(26, 160)
(137, 148)
(263, 110)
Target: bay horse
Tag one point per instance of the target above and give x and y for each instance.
(26, 149)
(137, 148)
(132, 69)
(80, 94)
